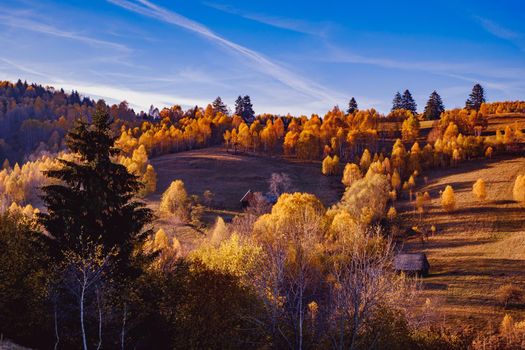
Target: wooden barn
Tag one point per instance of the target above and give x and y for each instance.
(251, 198)
(412, 263)
(247, 199)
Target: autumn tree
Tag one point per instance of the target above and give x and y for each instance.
(279, 183)
(330, 165)
(434, 107)
(290, 238)
(479, 190)
(518, 190)
(476, 98)
(410, 129)
(448, 199)
(351, 174)
(175, 200)
(366, 160)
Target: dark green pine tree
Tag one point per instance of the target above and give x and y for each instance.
(219, 106)
(92, 199)
(352, 106)
(239, 106)
(397, 102)
(247, 110)
(476, 98)
(408, 103)
(434, 107)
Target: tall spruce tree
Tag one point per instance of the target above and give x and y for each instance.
(397, 102)
(434, 107)
(91, 200)
(239, 106)
(247, 110)
(408, 103)
(352, 106)
(219, 106)
(476, 98)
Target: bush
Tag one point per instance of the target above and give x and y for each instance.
(519, 189)
(509, 294)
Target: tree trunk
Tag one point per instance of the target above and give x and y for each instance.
(57, 338)
(123, 332)
(82, 327)
(99, 321)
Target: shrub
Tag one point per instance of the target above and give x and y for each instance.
(509, 294)
(519, 189)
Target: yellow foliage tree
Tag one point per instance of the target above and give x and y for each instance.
(366, 160)
(219, 232)
(175, 200)
(518, 191)
(448, 199)
(351, 174)
(330, 165)
(479, 190)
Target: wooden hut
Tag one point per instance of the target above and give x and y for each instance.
(247, 199)
(412, 263)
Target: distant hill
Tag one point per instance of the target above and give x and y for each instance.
(34, 118)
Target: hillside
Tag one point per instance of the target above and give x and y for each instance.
(478, 247)
(230, 175)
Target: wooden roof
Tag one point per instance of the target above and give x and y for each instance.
(411, 262)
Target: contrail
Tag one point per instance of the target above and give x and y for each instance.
(266, 66)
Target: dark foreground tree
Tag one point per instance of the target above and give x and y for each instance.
(92, 198)
(97, 230)
(352, 106)
(476, 98)
(434, 107)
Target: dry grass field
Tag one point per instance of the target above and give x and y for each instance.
(501, 121)
(478, 247)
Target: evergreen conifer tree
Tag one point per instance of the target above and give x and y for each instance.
(476, 98)
(408, 103)
(434, 107)
(352, 106)
(397, 103)
(247, 110)
(91, 200)
(219, 106)
(239, 106)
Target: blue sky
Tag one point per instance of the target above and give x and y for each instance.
(298, 57)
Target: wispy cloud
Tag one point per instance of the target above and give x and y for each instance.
(496, 29)
(296, 25)
(260, 62)
(19, 20)
(506, 77)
